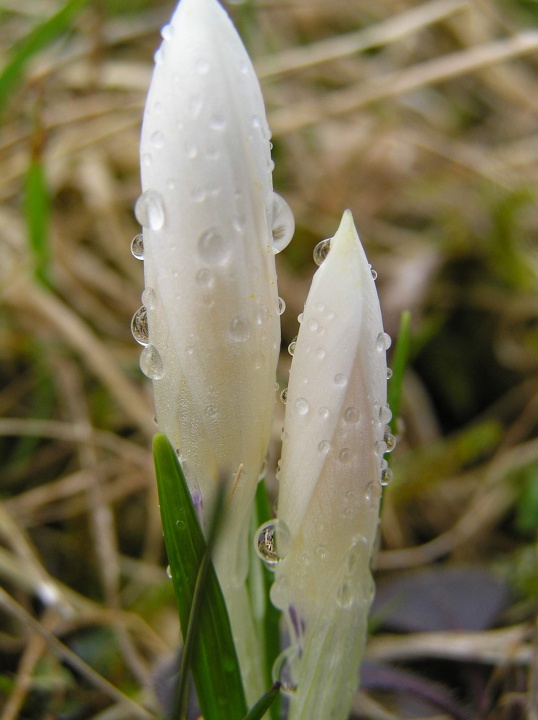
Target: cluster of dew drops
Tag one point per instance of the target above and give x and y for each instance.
(273, 537)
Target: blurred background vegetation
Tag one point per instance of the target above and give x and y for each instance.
(422, 117)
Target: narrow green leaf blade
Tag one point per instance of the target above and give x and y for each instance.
(258, 710)
(215, 667)
(37, 212)
(400, 359)
(39, 38)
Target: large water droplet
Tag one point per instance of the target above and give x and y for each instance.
(239, 329)
(151, 363)
(321, 251)
(301, 406)
(214, 249)
(137, 246)
(149, 210)
(386, 476)
(284, 395)
(281, 306)
(389, 439)
(139, 326)
(385, 414)
(292, 346)
(283, 670)
(389, 373)
(167, 32)
(272, 540)
(373, 272)
(283, 223)
(383, 341)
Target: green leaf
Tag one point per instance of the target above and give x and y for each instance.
(37, 39)
(37, 212)
(399, 363)
(258, 710)
(215, 667)
(260, 579)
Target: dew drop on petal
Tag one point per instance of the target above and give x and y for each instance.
(149, 299)
(204, 278)
(352, 415)
(301, 406)
(373, 492)
(300, 318)
(324, 413)
(281, 306)
(389, 439)
(284, 395)
(373, 272)
(345, 594)
(149, 210)
(239, 329)
(139, 326)
(385, 414)
(389, 373)
(213, 248)
(386, 476)
(272, 540)
(313, 324)
(151, 363)
(157, 139)
(283, 224)
(340, 379)
(292, 346)
(383, 341)
(324, 447)
(262, 315)
(211, 412)
(345, 455)
(147, 159)
(137, 246)
(380, 447)
(320, 353)
(321, 251)
(167, 32)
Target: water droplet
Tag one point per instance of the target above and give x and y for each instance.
(345, 594)
(169, 572)
(320, 353)
(373, 491)
(272, 540)
(151, 363)
(262, 314)
(281, 306)
(167, 32)
(149, 299)
(283, 223)
(292, 346)
(300, 317)
(389, 439)
(324, 413)
(386, 476)
(389, 373)
(204, 278)
(181, 524)
(157, 139)
(352, 415)
(380, 447)
(149, 210)
(211, 412)
(213, 248)
(147, 159)
(340, 379)
(158, 57)
(324, 447)
(313, 324)
(321, 251)
(139, 326)
(345, 455)
(284, 395)
(385, 414)
(383, 341)
(217, 122)
(137, 246)
(283, 669)
(373, 272)
(202, 66)
(301, 406)
(239, 329)
(256, 122)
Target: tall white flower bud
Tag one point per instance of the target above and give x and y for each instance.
(332, 470)
(211, 228)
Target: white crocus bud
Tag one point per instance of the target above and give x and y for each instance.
(332, 470)
(211, 228)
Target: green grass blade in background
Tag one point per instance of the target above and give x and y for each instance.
(215, 666)
(37, 39)
(258, 710)
(37, 214)
(260, 579)
(400, 359)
